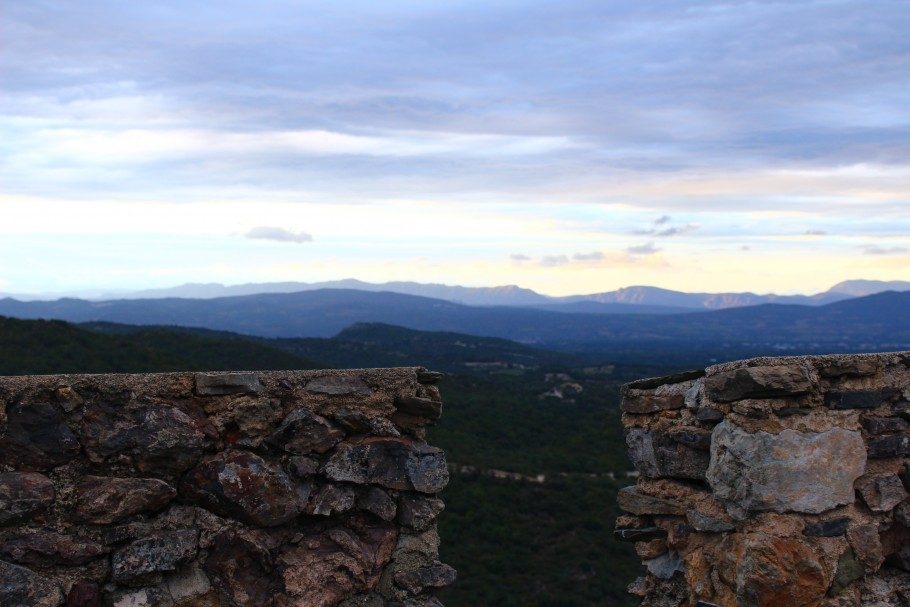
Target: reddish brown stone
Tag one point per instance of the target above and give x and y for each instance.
(46, 548)
(242, 485)
(84, 594)
(304, 432)
(394, 463)
(36, 438)
(240, 565)
(776, 571)
(104, 500)
(23, 494)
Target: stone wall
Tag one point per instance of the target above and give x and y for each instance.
(303, 489)
(772, 481)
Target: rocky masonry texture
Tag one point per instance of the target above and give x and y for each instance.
(772, 481)
(274, 489)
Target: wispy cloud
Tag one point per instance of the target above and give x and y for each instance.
(815, 233)
(519, 257)
(871, 249)
(645, 249)
(554, 260)
(657, 228)
(592, 256)
(278, 235)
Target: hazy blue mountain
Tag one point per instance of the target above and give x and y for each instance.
(633, 299)
(876, 322)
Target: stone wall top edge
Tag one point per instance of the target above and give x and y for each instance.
(813, 359)
(303, 373)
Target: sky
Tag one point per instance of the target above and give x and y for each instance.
(569, 147)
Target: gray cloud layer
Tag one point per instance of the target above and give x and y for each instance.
(628, 88)
(278, 235)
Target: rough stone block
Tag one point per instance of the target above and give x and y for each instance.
(758, 382)
(791, 471)
(220, 384)
(102, 500)
(861, 399)
(630, 500)
(23, 494)
(881, 493)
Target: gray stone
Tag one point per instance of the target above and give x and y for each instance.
(430, 377)
(905, 475)
(20, 587)
(630, 500)
(23, 494)
(881, 493)
(168, 439)
(221, 384)
(893, 445)
(642, 534)
(303, 432)
(849, 569)
(790, 471)
(862, 399)
(155, 554)
(649, 402)
(302, 466)
(419, 512)
(339, 385)
(187, 584)
(332, 499)
(140, 597)
(830, 528)
(849, 368)
(884, 425)
(692, 397)
(665, 380)
(421, 407)
(706, 523)
(665, 566)
(389, 462)
(357, 422)
(438, 575)
(758, 382)
(376, 501)
(707, 415)
(668, 455)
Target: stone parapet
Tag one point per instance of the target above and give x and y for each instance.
(772, 481)
(273, 489)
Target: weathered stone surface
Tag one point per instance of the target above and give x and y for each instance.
(389, 462)
(881, 493)
(631, 500)
(665, 566)
(852, 368)
(430, 377)
(161, 552)
(776, 571)
(863, 399)
(241, 566)
(668, 455)
(828, 528)
(790, 471)
(220, 384)
(339, 385)
(418, 512)
(706, 523)
(323, 570)
(23, 494)
(425, 578)
(642, 534)
(167, 439)
(894, 445)
(849, 569)
(188, 585)
(332, 499)
(905, 475)
(46, 548)
(154, 596)
(303, 432)
(36, 438)
(422, 407)
(357, 422)
(84, 594)
(884, 425)
(242, 485)
(376, 501)
(707, 415)
(646, 402)
(758, 382)
(20, 587)
(102, 500)
(867, 545)
(665, 380)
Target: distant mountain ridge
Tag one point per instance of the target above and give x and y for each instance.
(872, 322)
(645, 299)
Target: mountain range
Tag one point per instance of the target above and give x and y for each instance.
(634, 299)
(873, 322)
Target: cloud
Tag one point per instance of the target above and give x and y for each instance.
(662, 220)
(592, 256)
(278, 235)
(519, 257)
(645, 249)
(871, 249)
(554, 260)
(815, 233)
(666, 232)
